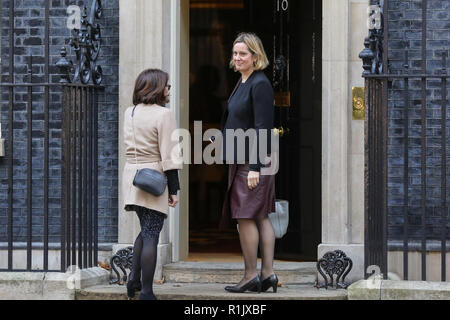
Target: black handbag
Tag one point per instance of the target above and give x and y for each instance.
(146, 179)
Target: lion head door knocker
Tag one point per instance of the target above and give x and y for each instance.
(334, 263)
(279, 68)
(123, 259)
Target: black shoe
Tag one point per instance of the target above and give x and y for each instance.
(252, 285)
(144, 296)
(132, 286)
(271, 281)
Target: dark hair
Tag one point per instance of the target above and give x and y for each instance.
(149, 87)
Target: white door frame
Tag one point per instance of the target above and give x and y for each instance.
(179, 75)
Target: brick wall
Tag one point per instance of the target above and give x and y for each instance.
(405, 31)
(29, 39)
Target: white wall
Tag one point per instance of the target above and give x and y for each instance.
(344, 29)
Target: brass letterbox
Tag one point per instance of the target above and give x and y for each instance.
(358, 103)
(282, 99)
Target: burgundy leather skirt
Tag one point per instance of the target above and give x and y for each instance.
(243, 203)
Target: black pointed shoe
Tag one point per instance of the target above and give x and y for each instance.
(145, 296)
(252, 285)
(132, 286)
(271, 281)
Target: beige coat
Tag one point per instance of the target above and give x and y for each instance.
(153, 127)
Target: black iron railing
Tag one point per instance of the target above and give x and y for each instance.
(79, 175)
(378, 81)
(68, 110)
(78, 114)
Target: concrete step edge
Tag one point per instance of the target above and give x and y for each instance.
(184, 277)
(300, 267)
(201, 272)
(195, 291)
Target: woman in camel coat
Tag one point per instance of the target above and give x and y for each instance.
(148, 142)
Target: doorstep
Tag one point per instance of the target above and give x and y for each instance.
(206, 280)
(300, 273)
(212, 291)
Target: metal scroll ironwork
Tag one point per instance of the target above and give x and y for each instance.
(86, 43)
(123, 259)
(334, 263)
(372, 54)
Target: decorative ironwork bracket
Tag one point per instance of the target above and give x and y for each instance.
(86, 43)
(123, 259)
(334, 263)
(372, 54)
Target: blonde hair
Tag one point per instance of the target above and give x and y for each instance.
(255, 47)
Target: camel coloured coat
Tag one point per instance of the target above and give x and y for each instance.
(155, 149)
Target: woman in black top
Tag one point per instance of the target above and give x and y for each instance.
(250, 196)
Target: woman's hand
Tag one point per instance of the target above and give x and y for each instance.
(253, 179)
(173, 200)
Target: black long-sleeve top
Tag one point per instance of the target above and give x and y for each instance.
(250, 106)
(173, 184)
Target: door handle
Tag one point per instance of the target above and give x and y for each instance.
(281, 131)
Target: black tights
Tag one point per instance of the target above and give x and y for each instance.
(145, 250)
(253, 234)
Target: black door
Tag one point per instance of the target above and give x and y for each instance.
(295, 53)
(291, 34)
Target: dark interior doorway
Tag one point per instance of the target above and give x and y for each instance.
(290, 30)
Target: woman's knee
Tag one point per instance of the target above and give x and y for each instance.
(261, 222)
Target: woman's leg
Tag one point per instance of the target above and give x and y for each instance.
(135, 274)
(148, 265)
(266, 245)
(249, 238)
(151, 225)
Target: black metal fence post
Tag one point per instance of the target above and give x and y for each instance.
(10, 136)
(65, 178)
(406, 168)
(375, 178)
(29, 163)
(444, 206)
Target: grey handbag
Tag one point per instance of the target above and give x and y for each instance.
(146, 179)
(280, 218)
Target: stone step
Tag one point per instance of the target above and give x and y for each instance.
(211, 291)
(232, 272)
